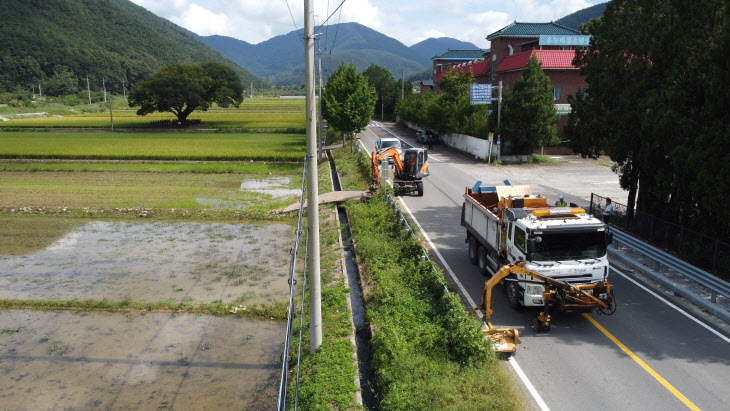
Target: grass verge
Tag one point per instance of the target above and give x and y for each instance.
(327, 377)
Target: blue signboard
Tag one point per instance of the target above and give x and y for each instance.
(564, 40)
(480, 94)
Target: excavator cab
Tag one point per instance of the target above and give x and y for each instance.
(415, 164)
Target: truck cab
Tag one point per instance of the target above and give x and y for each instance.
(508, 224)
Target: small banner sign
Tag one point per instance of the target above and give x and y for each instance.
(564, 40)
(480, 94)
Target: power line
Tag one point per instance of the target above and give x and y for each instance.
(330, 16)
(293, 21)
(337, 29)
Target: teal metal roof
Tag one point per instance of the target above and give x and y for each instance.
(517, 29)
(461, 54)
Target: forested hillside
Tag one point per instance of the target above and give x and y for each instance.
(585, 15)
(59, 42)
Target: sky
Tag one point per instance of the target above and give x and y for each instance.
(408, 21)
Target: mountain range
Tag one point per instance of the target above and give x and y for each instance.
(62, 42)
(279, 60)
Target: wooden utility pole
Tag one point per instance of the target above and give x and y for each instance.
(88, 89)
(111, 116)
(315, 288)
(103, 85)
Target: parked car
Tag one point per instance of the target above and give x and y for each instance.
(420, 136)
(431, 134)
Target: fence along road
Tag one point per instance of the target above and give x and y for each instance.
(676, 361)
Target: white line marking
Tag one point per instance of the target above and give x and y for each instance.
(433, 247)
(531, 388)
(535, 395)
(686, 314)
(529, 385)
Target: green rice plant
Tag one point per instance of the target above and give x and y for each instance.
(152, 146)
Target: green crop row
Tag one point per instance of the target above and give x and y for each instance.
(129, 119)
(152, 146)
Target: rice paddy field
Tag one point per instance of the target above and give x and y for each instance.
(171, 145)
(117, 247)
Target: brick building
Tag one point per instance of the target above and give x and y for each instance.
(511, 48)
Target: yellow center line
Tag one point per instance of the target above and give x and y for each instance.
(643, 365)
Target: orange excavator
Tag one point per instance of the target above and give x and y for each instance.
(557, 294)
(408, 173)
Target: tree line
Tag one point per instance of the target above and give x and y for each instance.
(658, 74)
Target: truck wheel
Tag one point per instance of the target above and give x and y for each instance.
(513, 294)
(419, 187)
(473, 247)
(482, 261)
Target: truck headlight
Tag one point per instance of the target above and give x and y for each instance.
(533, 290)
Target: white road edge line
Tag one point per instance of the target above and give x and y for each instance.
(667, 302)
(531, 388)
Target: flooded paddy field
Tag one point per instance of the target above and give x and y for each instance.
(73, 360)
(152, 262)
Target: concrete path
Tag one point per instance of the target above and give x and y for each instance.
(331, 197)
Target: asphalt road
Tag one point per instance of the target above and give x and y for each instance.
(649, 355)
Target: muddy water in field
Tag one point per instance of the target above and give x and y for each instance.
(149, 262)
(64, 360)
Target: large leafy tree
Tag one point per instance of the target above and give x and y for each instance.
(184, 88)
(347, 102)
(381, 79)
(529, 116)
(656, 104)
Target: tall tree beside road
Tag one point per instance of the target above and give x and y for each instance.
(529, 117)
(184, 88)
(660, 114)
(382, 80)
(347, 103)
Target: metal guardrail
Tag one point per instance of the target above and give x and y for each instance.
(716, 285)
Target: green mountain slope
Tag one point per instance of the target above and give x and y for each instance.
(280, 60)
(585, 15)
(59, 42)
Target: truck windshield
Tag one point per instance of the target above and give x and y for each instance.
(571, 245)
(386, 144)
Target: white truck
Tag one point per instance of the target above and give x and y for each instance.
(508, 224)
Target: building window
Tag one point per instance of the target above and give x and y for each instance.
(556, 93)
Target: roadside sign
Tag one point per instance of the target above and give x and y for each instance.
(491, 137)
(480, 94)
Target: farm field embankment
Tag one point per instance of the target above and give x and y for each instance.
(112, 267)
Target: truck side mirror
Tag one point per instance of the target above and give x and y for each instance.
(609, 238)
(531, 246)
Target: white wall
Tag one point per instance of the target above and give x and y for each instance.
(468, 144)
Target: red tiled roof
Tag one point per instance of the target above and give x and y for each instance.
(550, 59)
(478, 69)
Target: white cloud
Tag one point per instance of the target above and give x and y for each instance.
(408, 21)
(203, 21)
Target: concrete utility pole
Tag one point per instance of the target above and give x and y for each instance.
(88, 89)
(402, 84)
(111, 116)
(103, 85)
(40, 93)
(319, 109)
(33, 91)
(315, 288)
(499, 119)
(252, 90)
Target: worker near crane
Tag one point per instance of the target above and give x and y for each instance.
(607, 210)
(561, 202)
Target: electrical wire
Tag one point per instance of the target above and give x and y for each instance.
(330, 16)
(293, 21)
